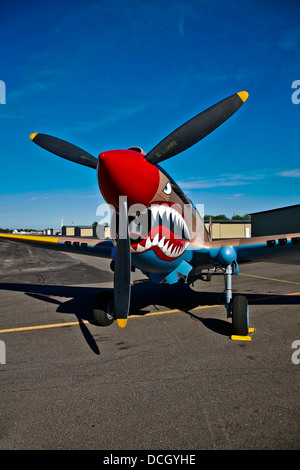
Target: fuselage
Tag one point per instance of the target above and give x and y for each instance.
(164, 225)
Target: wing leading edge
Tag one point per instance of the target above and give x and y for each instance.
(94, 247)
(242, 250)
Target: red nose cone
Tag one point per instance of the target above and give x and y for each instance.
(127, 173)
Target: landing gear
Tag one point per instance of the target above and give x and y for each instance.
(104, 309)
(237, 307)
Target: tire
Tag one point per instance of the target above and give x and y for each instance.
(104, 309)
(240, 315)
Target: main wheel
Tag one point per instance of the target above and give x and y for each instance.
(104, 308)
(240, 315)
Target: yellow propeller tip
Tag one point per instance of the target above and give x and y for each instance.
(32, 136)
(121, 322)
(243, 95)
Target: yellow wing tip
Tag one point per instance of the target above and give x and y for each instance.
(121, 322)
(243, 95)
(32, 136)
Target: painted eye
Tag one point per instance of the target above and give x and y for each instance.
(167, 189)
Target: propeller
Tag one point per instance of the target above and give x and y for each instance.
(179, 140)
(64, 149)
(122, 267)
(196, 128)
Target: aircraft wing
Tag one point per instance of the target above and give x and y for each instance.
(267, 247)
(216, 252)
(242, 250)
(90, 246)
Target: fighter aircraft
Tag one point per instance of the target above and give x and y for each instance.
(156, 228)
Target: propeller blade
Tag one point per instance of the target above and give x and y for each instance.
(64, 149)
(196, 128)
(122, 268)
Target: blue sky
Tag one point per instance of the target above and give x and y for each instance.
(114, 74)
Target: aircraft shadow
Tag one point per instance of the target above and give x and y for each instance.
(79, 301)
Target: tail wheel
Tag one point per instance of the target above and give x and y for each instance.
(104, 308)
(240, 315)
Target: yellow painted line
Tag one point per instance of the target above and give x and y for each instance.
(293, 293)
(270, 279)
(59, 325)
(154, 313)
(173, 311)
(41, 327)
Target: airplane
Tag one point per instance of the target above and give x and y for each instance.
(155, 227)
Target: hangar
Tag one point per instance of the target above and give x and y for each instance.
(276, 221)
(94, 231)
(79, 231)
(222, 229)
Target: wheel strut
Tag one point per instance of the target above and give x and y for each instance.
(228, 284)
(236, 308)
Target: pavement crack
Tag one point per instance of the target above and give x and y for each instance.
(41, 280)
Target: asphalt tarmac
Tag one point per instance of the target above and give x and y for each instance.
(172, 379)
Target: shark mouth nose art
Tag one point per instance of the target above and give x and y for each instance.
(160, 227)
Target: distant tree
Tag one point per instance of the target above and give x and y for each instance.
(223, 217)
(241, 217)
(216, 217)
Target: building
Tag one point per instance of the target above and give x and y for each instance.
(222, 229)
(276, 221)
(78, 231)
(68, 230)
(94, 231)
(85, 231)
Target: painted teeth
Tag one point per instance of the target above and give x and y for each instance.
(161, 243)
(171, 215)
(155, 240)
(170, 249)
(155, 211)
(139, 248)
